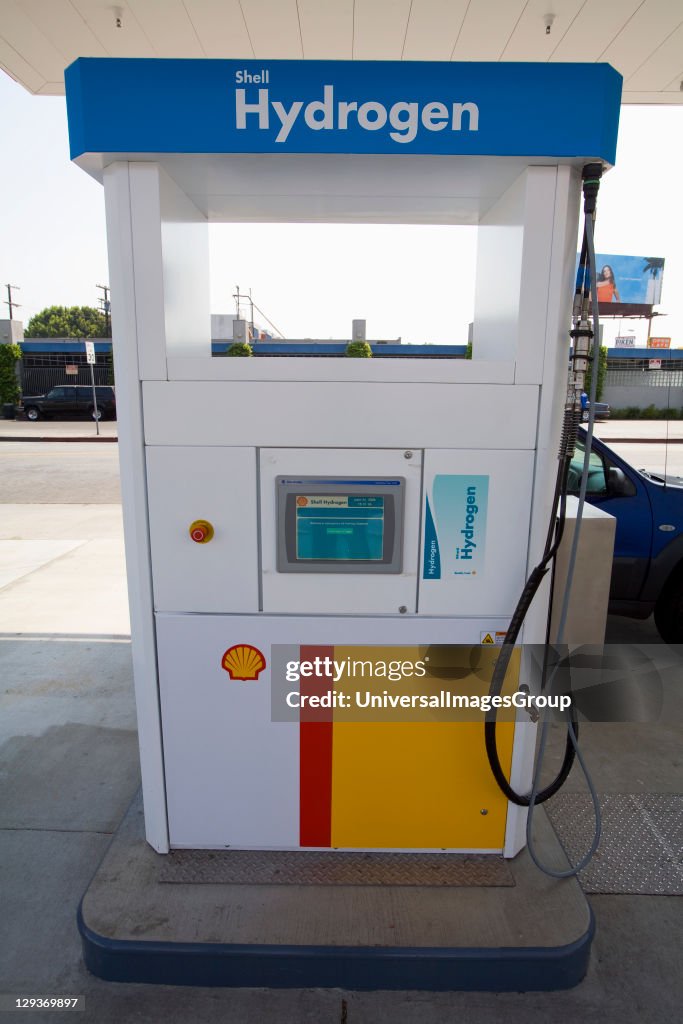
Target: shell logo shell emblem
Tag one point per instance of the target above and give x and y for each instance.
(302, 500)
(243, 662)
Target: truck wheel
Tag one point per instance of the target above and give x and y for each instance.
(669, 612)
(32, 413)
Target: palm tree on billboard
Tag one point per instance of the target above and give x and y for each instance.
(654, 266)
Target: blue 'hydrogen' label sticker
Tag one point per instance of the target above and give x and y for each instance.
(455, 526)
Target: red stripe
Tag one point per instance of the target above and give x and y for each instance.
(315, 758)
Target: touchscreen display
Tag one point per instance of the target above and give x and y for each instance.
(339, 527)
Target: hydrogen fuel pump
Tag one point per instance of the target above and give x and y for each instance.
(302, 530)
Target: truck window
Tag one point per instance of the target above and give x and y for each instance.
(597, 472)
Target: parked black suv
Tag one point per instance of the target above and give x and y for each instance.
(71, 400)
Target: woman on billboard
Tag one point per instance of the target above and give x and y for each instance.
(607, 286)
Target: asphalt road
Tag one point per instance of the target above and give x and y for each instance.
(56, 473)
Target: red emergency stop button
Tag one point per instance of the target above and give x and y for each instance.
(201, 531)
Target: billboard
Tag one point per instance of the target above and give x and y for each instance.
(629, 280)
(659, 342)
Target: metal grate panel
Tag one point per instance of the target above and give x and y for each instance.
(268, 867)
(638, 378)
(641, 849)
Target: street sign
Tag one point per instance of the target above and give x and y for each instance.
(90, 356)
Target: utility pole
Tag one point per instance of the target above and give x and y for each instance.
(238, 297)
(251, 323)
(9, 301)
(105, 306)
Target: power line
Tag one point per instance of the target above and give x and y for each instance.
(269, 321)
(237, 296)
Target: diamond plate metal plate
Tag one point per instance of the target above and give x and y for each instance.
(641, 849)
(268, 867)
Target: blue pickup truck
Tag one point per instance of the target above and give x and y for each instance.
(647, 573)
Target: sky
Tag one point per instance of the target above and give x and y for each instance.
(412, 282)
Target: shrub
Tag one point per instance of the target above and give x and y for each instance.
(240, 348)
(9, 385)
(359, 350)
(650, 412)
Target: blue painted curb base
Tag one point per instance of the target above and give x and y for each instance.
(355, 968)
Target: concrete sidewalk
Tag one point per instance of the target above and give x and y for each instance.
(641, 430)
(68, 760)
(62, 570)
(49, 430)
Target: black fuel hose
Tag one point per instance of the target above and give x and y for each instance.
(553, 540)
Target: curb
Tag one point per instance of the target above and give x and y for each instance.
(78, 439)
(639, 440)
(364, 969)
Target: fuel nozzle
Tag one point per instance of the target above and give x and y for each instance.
(591, 175)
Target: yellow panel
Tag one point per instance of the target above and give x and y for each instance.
(417, 784)
(409, 785)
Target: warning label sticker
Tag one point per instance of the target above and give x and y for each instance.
(497, 637)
